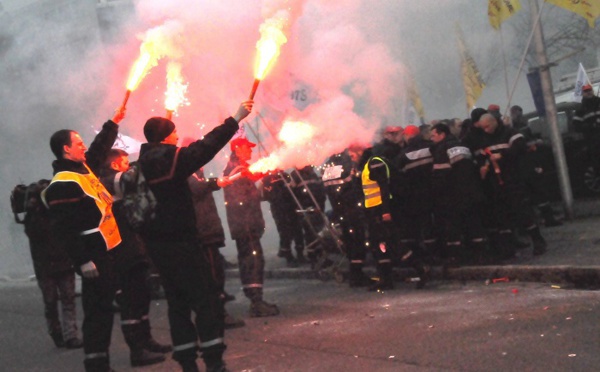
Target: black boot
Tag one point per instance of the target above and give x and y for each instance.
(385, 281)
(539, 243)
(143, 357)
(97, 365)
(357, 278)
(149, 343)
(548, 216)
(189, 365)
(505, 247)
(231, 322)
(57, 337)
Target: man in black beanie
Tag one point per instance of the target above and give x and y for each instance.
(172, 238)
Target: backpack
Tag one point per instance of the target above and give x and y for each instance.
(27, 199)
(138, 201)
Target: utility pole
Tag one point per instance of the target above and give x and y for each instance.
(551, 117)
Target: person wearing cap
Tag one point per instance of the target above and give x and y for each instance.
(171, 238)
(416, 216)
(247, 225)
(391, 144)
(81, 215)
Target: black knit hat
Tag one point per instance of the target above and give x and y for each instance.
(477, 113)
(157, 129)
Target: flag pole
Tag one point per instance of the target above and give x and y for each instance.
(514, 86)
(551, 116)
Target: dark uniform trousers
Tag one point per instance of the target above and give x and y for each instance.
(289, 227)
(97, 295)
(190, 287)
(382, 243)
(354, 238)
(252, 266)
(55, 287)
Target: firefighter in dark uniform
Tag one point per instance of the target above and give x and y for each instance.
(532, 169)
(283, 208)
(247, 226)
(457, 195)
(375, 179)
(211, 233)
(498, 154)
(416, 214)
(131, 264)
(587, 121)
(306, 182)
(340, 178)
(171, 238)
(53, 269)
(81, 216)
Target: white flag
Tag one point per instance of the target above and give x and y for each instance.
(582, 80)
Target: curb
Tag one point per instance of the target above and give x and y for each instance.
(579, 277)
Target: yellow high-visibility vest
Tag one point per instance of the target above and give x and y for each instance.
(371, 188)
(92, 187)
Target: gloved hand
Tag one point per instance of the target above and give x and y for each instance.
(89, 270)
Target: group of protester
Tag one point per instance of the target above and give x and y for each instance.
(84, 227)
(451, 192)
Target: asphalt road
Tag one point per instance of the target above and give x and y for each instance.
(325, 326)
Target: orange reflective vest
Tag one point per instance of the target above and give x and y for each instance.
(371, 188)
(92, 187)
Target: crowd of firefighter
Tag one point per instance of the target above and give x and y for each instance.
(453, 192)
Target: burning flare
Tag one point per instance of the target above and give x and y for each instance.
(297, 138)
(269, 45)
(272, 37)
(176, 88)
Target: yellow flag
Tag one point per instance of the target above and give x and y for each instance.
(415, 98)
(471, 79)
(588, 9)
(501, 10)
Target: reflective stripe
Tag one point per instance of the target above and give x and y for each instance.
(191, 345)
(210, 343)
(338, 181)
(117, 185)
(145, 317)
(96, 355)
(371, 186)
(442, 166)
(458, 151)
(90, 231)
(386, 260)
(453, 243)
(514, 138)
(374, 195)
(417, 163)
(418, 154)
(356, 261)
(458, 158)
(378, 165)
(130, 322)
(407, 255)
(254, 285)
